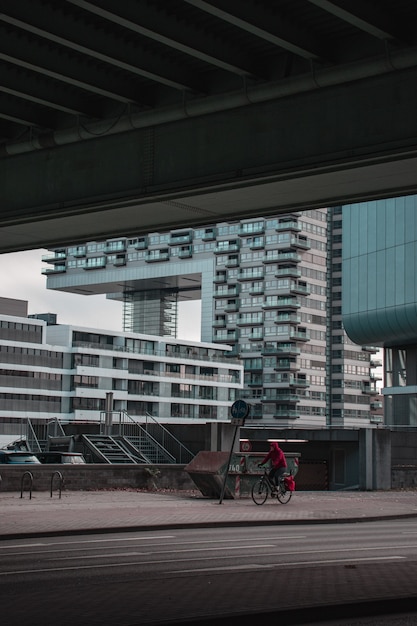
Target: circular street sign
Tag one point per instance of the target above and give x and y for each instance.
(240, 409)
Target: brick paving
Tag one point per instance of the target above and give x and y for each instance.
(107, 510)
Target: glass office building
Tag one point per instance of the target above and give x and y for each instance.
(271, 288)
(380, 295)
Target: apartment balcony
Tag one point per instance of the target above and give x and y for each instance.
(257, 245)
(226, 249)
(374, 377)
(287, 318)
(375, 363)
(155, 256)
(370, 390)
(95, 263)
(57, 257)
(210, 234)
(57, 269)
(251, 275)
(180, 239)
(300, 336)
(226, 337)
(372, 349)
(292, 257)
(300, 242)
(185, 253)
(230, 263)
(253, 349)
(141, 243)
(290, 272)
(232, 307)
(287, 414)
(292, 226)
(376, 419)
(290, 382)
(278, 397)
(257, 291)
(112, 247)
(256, 336)
(375, 406)
(282, 349)
(219, 323)
(229, 293)
(248, 230)
(287, 365)
(255, 382)
(281, 302)
(120, 260)
(300, 288)
(249, 320)
(220, 279)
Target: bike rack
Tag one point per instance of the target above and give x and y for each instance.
(61, 480)
(30, 476)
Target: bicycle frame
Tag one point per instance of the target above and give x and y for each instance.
(265, 487)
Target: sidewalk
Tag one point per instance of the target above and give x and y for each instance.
(78, 512)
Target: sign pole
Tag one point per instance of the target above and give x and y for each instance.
(239, 412)
(228, 465)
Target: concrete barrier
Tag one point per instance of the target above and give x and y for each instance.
(93, 476)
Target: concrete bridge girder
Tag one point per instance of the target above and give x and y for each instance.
(334, 145)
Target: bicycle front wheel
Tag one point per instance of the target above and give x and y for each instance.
(283, 495)
(259, 492)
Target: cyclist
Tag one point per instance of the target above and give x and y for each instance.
(278, 462)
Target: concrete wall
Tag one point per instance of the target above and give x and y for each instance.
(95, 476)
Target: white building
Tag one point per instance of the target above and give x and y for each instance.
(70, 372)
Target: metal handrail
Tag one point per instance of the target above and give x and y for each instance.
(141, 430)
(180, 445)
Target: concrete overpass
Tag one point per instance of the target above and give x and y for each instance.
(146, 115)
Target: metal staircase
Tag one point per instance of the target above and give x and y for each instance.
(108, 449)
(121, 440)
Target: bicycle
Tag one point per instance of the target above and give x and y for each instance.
(264, 487)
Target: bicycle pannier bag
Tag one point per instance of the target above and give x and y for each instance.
(289, 483)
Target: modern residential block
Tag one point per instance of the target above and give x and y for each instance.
(270, 288)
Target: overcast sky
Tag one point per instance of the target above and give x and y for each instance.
(22, 278)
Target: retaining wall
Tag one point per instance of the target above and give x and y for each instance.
(94, 476)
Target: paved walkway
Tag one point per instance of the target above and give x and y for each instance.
(122, 510)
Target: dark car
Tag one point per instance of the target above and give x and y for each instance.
(60, 457)
(15, 457)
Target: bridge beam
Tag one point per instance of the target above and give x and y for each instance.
(332, 145)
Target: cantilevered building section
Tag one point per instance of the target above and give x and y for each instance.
(380, 295)
(269, 287)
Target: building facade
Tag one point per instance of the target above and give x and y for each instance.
(70, 372)
(269, 288)
(380, 295)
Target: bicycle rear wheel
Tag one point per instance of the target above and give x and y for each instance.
(259, 492)
(283, 494)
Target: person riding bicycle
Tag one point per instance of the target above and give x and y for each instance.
(278, 462)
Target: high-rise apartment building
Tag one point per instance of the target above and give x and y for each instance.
(269, 287)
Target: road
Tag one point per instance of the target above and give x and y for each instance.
(187, 574)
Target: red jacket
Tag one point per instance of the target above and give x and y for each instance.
(276, 455)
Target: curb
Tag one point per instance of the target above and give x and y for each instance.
(210, 524)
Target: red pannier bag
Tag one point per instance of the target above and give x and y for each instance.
(289, 483)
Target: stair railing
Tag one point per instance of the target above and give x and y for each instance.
(170, 442)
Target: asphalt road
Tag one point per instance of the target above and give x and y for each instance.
(198, 575)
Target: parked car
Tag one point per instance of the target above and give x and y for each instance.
(60, 457)
(15, 457)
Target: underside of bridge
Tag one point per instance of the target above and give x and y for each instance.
(144, 115)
